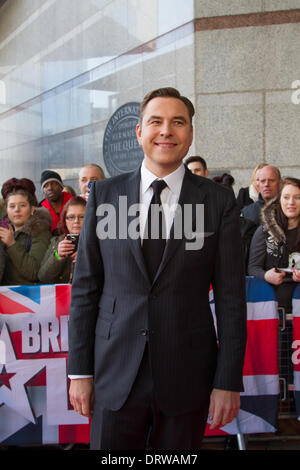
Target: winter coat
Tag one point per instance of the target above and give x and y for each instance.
(246, 196)
(25, 256)
(55, 217)
(253, 211)
(2, 208)
(2, 260)
(2, 247)
(55, 270)
(243, 199)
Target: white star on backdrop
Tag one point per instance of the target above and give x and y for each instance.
(16, 397)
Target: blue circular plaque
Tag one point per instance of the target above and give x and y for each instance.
(121, 150)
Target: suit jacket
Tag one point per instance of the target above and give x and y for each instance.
(115, 309)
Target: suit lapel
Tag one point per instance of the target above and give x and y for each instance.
(190, 194)
(132, 190)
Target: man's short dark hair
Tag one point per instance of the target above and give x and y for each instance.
(167, 92)
(196, 158)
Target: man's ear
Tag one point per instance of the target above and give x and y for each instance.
(192, 135)
(138, 131)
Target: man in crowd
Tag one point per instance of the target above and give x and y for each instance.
(87, 174)
(144, 360)
(197, 165)
(55, 197)
(269, 179)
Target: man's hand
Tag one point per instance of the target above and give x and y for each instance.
(82, 395)
(224, 407)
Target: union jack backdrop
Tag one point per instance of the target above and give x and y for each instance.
(34, 406)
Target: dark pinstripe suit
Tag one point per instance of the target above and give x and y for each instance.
(115, 310)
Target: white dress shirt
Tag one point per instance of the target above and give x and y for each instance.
(169, 197)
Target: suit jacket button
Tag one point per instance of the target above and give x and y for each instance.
(144, 332)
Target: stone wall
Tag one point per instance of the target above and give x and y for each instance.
(66, 66)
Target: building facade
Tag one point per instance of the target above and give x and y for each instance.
(67, 67)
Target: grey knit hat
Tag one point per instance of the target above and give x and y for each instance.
(49, 175)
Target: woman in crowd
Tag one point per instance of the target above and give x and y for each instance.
(247, 196)
(25, 233)
(58, 263)
(275, 247)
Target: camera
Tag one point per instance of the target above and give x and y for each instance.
(73, 237)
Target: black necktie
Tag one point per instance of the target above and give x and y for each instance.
(153, 247)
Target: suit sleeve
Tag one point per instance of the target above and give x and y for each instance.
(230, 301)
(86, 291)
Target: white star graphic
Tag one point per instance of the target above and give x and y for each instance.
(16, 397)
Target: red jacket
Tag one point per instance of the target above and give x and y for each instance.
(56, 217)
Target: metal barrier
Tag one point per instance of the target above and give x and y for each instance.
(287, 407)
(34, 346)
(286, 369)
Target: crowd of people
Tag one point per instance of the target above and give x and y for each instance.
(38, 240)
(126, 369)
(270, 225)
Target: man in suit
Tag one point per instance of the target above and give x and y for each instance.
(144, 359)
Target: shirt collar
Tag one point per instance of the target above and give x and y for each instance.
(174, 180)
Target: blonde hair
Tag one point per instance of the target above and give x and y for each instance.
(258, 167)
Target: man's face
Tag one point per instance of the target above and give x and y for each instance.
(165, 134)
(269, 182)
(197, 169)
(87, 175)
(52, 191)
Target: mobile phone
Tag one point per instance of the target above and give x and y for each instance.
(73, 237)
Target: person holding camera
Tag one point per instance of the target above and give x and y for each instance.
(58, 264)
